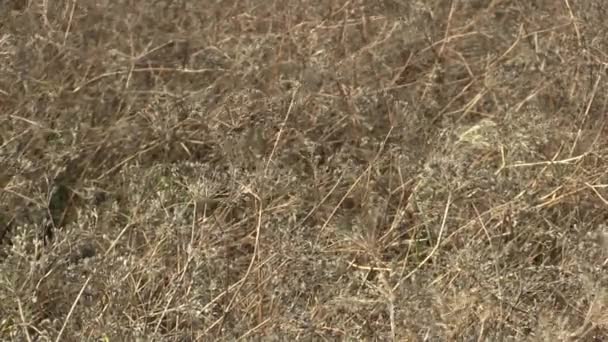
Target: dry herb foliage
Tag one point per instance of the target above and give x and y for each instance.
(305, 170)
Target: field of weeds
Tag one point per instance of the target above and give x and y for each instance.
(312, 170)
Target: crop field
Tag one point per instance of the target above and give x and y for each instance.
(306, 170)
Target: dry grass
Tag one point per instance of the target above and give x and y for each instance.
(303, 170)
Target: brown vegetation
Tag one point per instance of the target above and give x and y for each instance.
(303, 170)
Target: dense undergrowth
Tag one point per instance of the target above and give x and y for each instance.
(303, 170)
